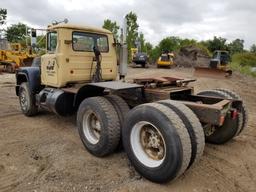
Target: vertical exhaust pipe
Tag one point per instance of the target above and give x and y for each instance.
(123, 52)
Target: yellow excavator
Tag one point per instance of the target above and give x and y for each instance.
(15, 56)
(218, 66)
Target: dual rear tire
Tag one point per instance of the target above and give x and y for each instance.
(161, 140)
(100, 120)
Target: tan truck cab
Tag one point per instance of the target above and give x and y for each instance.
(70, 56)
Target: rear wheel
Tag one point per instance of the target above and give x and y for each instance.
(98, 126)
(193, 126)
(27, 100)
(224, 133)
(156, 142)
(122, 110)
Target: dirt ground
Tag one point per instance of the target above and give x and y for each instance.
(44, 153)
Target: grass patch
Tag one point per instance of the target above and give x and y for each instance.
(244, 62)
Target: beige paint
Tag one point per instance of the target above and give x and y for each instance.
(74, 66)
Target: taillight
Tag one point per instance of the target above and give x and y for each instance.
(234, 114)
(222, 119)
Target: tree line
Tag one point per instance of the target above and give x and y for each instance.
(172, 43)
(135, 38)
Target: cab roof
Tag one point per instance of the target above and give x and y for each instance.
(79, 27)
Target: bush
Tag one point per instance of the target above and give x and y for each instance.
(244, 62)
(245, 59)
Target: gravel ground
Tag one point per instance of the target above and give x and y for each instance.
(44, 153)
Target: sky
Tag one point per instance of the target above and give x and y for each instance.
(198, 19)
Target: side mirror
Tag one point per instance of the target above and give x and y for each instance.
(116, 43)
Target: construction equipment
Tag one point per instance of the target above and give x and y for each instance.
(159, 120)
(218, 66)
(133, 52)
(166, 59)
(15, 57)
(140, 58)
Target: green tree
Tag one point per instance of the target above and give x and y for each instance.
(236, 46)
(41, 41)
(132, 31)
(141, 41)
(155, 53)
(170, 43)
(148, 47)
(253, 48)
(218, 43)
(187, 42)
(111, 26)
(3, 16)
(149, 50)
(16, 33)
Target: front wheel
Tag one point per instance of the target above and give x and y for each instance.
(27, 100)
(10, 68)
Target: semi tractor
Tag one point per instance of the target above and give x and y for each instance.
(160, 122)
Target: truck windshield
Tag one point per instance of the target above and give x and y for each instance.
(52, 41)
(83, 41)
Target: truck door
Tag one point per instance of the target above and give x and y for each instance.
(81, 56)
(49, 65)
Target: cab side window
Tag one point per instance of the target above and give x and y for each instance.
(51, 41)
(84, 42)
(102, 43)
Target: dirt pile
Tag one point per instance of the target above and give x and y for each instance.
(191, 56)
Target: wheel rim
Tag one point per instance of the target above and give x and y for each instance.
(91, 127)
(148, 144)
(23, 100)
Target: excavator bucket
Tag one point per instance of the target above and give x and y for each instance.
(212, 73)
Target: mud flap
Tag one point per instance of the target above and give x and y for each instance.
(226, 132)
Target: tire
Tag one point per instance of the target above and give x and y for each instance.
(10, 68)
(27, 100)
(120, 106)
(244, 118)
(193, 125)
(122, 110)
(224, 133)
(103, 138)
(170, 151)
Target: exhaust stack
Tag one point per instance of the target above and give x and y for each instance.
(123, 51)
